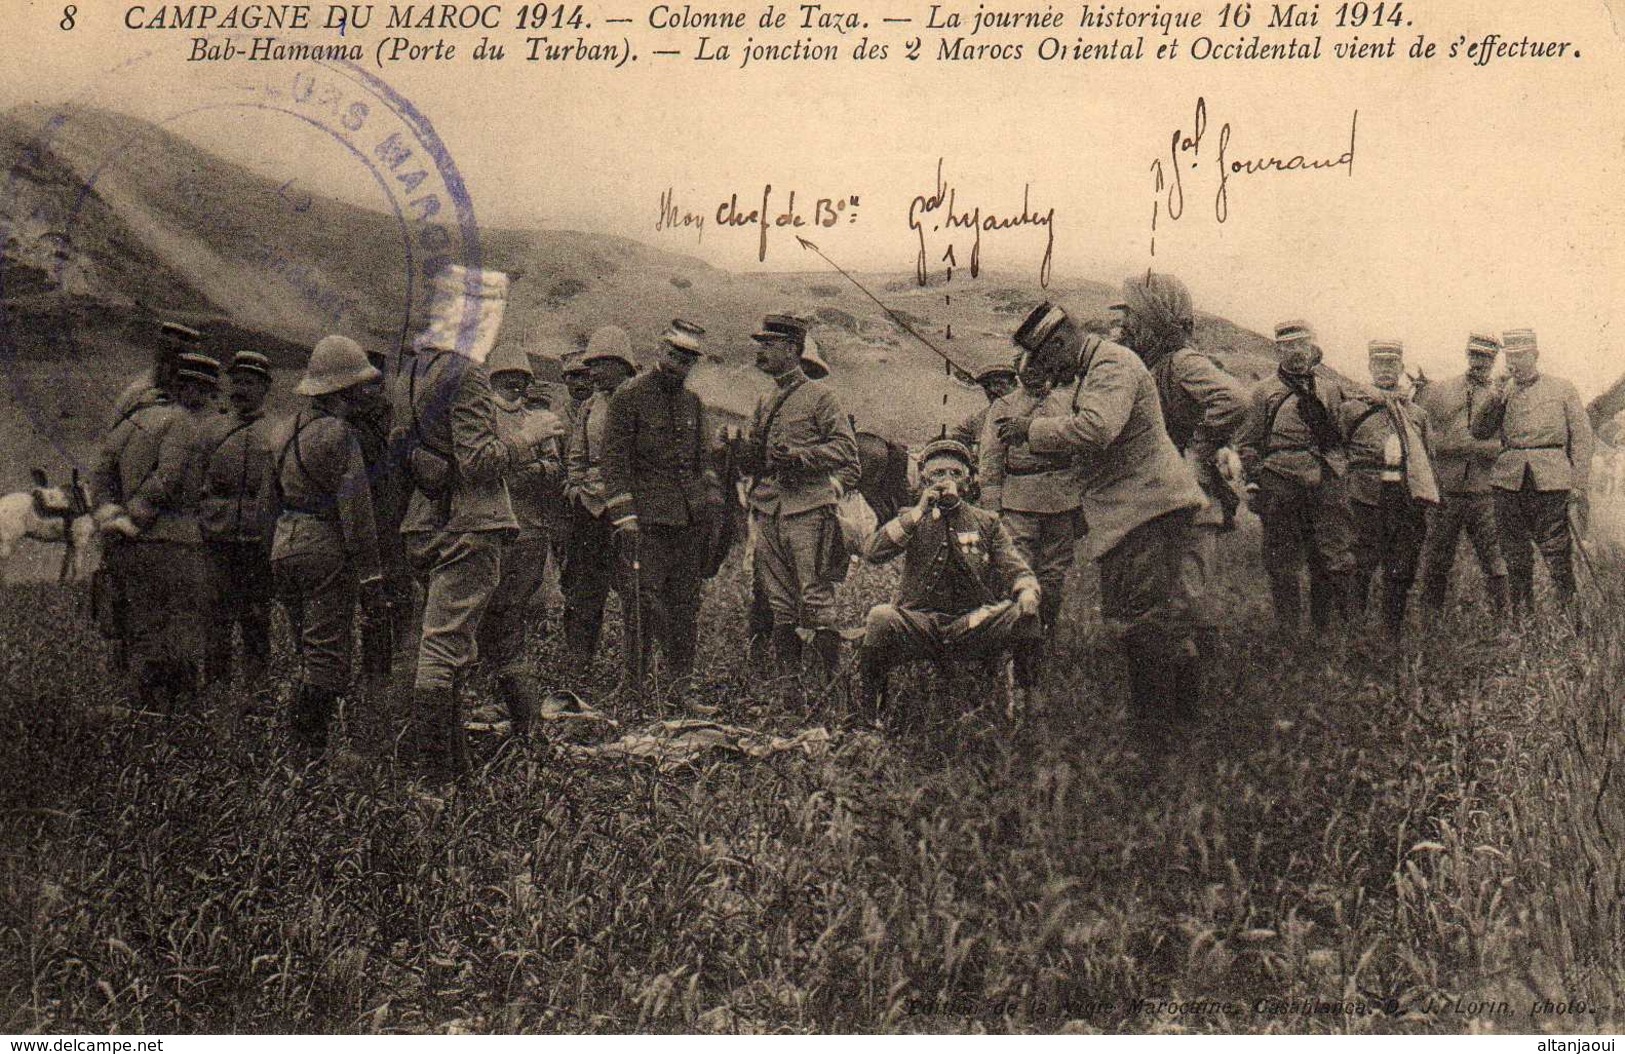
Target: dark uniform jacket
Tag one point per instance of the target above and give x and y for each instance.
(954, 561)
(1202, 405)
(149, 465)
(1277, 438)
(656, 455)
(237, 501)
(1377, 454)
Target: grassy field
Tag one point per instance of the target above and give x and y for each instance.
(1353, 841)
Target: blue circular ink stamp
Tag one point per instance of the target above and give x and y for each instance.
(113, 221)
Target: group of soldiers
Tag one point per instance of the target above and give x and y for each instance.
(420, 512)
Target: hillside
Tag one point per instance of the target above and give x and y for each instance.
(112, 223)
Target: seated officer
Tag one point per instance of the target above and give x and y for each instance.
(966, 590)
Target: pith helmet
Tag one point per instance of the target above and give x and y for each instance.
(610, 342)
(336, 363)
(509, 358)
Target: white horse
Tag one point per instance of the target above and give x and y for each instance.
(55, 515)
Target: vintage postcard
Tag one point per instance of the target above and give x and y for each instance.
(746, 516)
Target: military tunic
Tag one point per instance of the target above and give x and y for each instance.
(799, 554)
(1301, 497)
(657, 467)
(149, 465)
(237, 512)
(460, 514)
(1463, 464)
(589, 562)
(1389, 524)
(325, 543)
(1546, 446)
(1036, 495)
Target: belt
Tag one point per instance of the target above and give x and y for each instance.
(1042, 470)
(1543, 446)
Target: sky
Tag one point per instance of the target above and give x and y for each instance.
(1478, 197)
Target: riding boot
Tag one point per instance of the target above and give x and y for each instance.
(443, 751)
(786, 649)
(826, 646)
(519, 696)
(1027, 662)
(1395, 595)
(1149, 689)
(312, 714)
(1434, 588)
(1286, 596)
(871, 698)
(1496, 586)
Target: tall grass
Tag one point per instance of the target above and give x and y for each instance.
(1354, 840)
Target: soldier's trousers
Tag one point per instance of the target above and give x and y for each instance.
(1387, 535)
(462, 570)
(893, 634)
(1049, 541)
(789, 557)
(586, 578)
(667, 579)
(1143, 597)
(165, 613)
(501, 638)
(1473, 513)
(1310, 524)
(1530, 519)
(240, 593)
(319, 591)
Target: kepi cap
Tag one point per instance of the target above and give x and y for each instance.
(1040, 324)
(684, 336)
(179, 334)
(781, 328)
(196, 366)
(946, 448)
(1481, 342)
(1385, 349)
(250, 362)
(1517, 341)
(1294, 330)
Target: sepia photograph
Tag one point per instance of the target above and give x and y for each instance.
(982, 517)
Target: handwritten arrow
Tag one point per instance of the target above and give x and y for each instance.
(960, 372)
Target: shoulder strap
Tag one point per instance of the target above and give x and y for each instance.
(298, 458)
(226, 439)
(412, 405)
(773, 415)
(1365, 415)
(1272, 410)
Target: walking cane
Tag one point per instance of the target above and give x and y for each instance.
(634, 620)
(1583, 556)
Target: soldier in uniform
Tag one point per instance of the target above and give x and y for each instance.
(1463, 463)
(1138, 497)
(966, 589)
(802, 455)
(589, 565)
(324, 553)
(460, 516)
(372, 416)
(1035, 495)
(1542, 470)
(1292, 453)
(147, 477)
(1390, 484)
(663, 495)
(532, 435)
(996, 382)
(1203, 408)
(154, 384)
(237, 511)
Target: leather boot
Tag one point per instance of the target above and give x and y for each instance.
(787, 649)
(826, 645)
(1395, 595)
(519, 696)
(1434, 588)
(871, 697)
(312, 714)
(443, 744)
(1496, 586)
(1027, 661)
